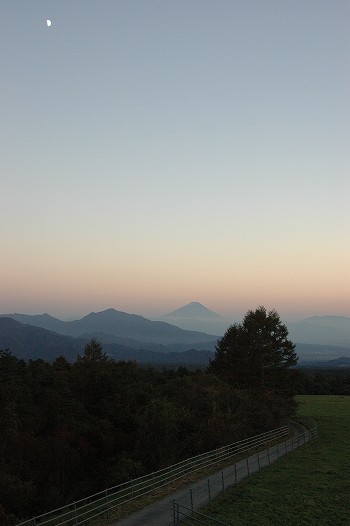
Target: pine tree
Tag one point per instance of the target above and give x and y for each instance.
(256, 353)
(93, 353)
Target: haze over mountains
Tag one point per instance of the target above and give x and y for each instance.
(177, 340)
(30, 342)
(323, 330)
(124, 336)
(195, 316)
(119, 324)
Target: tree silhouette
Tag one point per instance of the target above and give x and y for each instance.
(93, 353)
(256, 353)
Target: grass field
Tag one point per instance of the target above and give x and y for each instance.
(309, 487)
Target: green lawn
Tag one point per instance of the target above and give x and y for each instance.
(311, 486)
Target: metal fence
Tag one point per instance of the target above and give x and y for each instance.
(182, 513)
(84, 510)
(185, 511)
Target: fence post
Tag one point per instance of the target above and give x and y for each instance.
(285, 445)
(236, 474)
(278, 452)
(247, 466)
(34, 521)
(191, 496)
(173, 509)
(209, 490)
(268, 456)
(259, 461)
(107, 502)
(75, 512)
(223, 481)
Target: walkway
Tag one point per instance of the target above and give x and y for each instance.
(199, 493)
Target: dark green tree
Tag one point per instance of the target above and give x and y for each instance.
(256, 353)
(93, 353)
(94, 377)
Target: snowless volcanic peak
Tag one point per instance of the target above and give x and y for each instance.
(193, 310)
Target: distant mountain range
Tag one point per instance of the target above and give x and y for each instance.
(119, 324)
(318, 330)
(130, 336)
(322, 330)
(29, 342)
(124, 336)
(343, 361)
(308, 352)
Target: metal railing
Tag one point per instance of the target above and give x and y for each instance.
(84, 510)
(185, 510)
(182, 513)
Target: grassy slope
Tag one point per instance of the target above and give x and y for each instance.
(310, 486)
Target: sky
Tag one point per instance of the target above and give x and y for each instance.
(158, 152)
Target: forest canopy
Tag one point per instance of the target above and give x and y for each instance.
(68, 430)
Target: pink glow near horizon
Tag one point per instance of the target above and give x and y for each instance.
(209, 165)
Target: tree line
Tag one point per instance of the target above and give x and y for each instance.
(323, 381)
(68, 430)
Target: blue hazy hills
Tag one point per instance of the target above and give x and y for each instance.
(175, 341)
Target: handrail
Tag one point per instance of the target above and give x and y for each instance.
(83, 510)
(181, 513)
(201, 493)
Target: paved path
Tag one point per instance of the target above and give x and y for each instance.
(199, 493)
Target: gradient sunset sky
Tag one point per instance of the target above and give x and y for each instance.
(155, 153)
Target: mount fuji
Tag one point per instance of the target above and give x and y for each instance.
(196, 317)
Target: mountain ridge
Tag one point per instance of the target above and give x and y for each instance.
(194, 309)
(118, 323)
(30, 342)
(136, 331)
